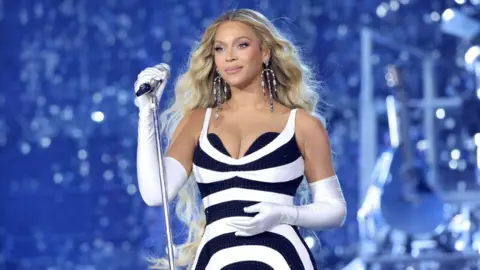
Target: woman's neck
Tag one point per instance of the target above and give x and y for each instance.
(250, 97)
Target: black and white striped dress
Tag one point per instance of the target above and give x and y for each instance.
(271, 171)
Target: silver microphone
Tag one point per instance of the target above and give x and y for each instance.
(150, 86)
(146, 88)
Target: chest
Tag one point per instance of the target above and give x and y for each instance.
(238, 136)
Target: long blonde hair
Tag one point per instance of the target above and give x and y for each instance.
(296, 89)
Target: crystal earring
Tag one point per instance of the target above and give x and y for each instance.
(216, 93)
(268, 76)
(219, 96)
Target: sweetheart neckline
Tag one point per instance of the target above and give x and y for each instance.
(205, 132)
(246, 154)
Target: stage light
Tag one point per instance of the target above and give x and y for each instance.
(98, 116)
(440, 113)
(394, 5)
(455, 154)
(472, 54)
(456, 23)
(448, 14)
(453, 164)
(310, 241)
(82, 154)
(382, 10)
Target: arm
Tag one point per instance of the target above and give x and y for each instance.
(177, 160)
(328, 209)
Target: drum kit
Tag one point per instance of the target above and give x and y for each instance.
(408, 222)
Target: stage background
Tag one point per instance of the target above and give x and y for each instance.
(68, 188)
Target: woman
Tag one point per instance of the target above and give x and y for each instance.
(246, 137)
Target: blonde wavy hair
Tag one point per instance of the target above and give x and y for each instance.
(296, 88)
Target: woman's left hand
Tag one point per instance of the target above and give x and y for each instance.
(269, 215)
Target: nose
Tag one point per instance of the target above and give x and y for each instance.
(230, 57)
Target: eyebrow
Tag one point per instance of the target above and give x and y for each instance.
(218, 41)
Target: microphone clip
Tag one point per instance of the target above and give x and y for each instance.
(148, 87)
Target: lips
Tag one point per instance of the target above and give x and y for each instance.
(234, 69)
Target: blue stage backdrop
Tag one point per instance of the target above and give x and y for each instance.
(68, 188)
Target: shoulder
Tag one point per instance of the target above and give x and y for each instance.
(309, 127)
(197, 115)
(306, 122)
(314, 145)
(191, 123)
(191, 118)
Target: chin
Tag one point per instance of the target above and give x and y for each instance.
(238, 82)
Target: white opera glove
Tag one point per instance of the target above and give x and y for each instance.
(269, 215)
(149, 180)
(147, 158)
(149, 75)
(328, 210)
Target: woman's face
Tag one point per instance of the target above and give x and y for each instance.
(238, 54)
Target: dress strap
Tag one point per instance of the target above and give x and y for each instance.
(291, 120)
(206, 121)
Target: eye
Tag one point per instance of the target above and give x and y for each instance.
(243, 45)
(217, 49)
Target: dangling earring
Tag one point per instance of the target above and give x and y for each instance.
(216, 93)
(218, 96)
(269, 76)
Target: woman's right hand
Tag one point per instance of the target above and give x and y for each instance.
(148, 75)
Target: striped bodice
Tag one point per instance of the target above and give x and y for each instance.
(270, 171)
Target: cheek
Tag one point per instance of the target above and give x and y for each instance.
(254, 60)
(218, 61)
(251, 55)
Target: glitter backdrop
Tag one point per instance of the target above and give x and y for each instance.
(68, 187)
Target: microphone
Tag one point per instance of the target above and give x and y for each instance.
(149, 87)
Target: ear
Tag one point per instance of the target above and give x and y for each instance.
(265, 54)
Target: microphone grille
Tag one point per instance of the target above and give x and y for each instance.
(164, 67)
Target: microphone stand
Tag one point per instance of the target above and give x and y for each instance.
(162, 183)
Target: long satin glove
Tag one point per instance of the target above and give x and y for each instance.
(147, 160)
(328, 210)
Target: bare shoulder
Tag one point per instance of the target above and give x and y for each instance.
(310, 131)
(190, 124)
(185, 138)
(196, 117)
(308, 124)
(312, 139)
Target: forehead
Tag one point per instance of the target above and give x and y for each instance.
(229, 31)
